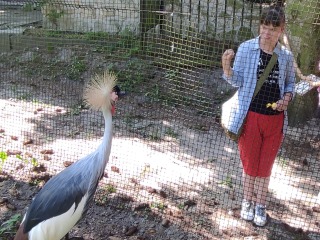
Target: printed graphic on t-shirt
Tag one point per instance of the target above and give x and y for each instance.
(270, 91)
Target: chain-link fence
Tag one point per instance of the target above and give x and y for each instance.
(172, 173)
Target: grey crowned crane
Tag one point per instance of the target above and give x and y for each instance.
(65, 198)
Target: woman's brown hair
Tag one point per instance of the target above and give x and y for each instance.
(273, 15)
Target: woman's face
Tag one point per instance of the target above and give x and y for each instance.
(270, 34)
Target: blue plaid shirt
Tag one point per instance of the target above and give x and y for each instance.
(245, 78)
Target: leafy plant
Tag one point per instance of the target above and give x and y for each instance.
(101, 197)
(181, 206)
(171, 133)
(10, 225)
(155, 135)
(21, 158)
(110, 188)
(77, 67)
(34, 182)
(33, 161)
(161, 206)
(76, 109)
(227, 182)
(53, 15)
(283, 162)
(154, 93)
(3, 157)
(25, 96)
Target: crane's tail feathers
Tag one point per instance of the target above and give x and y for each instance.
(97, 93)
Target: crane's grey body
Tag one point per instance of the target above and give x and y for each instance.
(65, 198)
(70, 186)
(64, 190)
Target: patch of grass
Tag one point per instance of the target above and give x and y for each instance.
(96, 35)
(181, 206)
(76, 109)
(227, 182)
(50, 47)
(171, 133)
(131, 74)
(110, 188)
(154, 93)
(283, 162)
(32, 161)
(158, 205)
(3, 158)
(28, 7)
(53, 15)
(155, 135)
(25, 96)
(34, 182)
(102, 194)
(9, 226)
(77, 67)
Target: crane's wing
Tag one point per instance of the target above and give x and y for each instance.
(57, 196)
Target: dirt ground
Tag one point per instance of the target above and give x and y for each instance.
(172, 174)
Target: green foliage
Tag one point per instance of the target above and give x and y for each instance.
(154, 93)
(158, 205)
(9, 226)
(53, 15)
(155, 135)
(25, 96)
(34, 182)
(228, 181)
(181, 206)
(28, 7)
(32, 161)
(133, 74)
(283, 161)
(110, 188)
(76, 68)
(3, 157)
(102, 194)
(171, 133)
(96, 35)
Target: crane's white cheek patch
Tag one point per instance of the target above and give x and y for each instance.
(57, 227)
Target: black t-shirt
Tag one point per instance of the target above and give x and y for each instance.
(270, 91)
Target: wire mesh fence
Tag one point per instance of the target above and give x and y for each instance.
(172, 172)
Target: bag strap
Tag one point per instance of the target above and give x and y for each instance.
(265, 74)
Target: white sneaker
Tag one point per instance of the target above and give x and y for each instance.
(247, 210)
(260, 217)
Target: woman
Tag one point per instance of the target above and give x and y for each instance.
(262, 132)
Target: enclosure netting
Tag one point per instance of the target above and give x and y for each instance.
(172, 173)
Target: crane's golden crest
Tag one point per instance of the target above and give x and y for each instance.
(97, 93)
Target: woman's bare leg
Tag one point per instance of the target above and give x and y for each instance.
(248, 186)
(261, 188)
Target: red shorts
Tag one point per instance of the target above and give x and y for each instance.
(260, 142)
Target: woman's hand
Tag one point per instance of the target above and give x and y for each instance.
(227, 57)
(282, 104)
